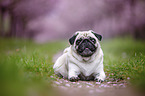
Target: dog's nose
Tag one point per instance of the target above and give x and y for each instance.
(85, 41)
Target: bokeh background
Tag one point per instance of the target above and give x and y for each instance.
(45, 20)
(32, 32)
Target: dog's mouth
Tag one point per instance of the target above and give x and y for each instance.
(86, 48)
(86, 52)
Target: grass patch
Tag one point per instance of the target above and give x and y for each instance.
(24, 63)
(125, 58)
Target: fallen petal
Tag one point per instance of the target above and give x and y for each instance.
(98, 82)
(68, 85)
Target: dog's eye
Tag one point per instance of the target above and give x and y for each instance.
(78, 41)
(93, 40)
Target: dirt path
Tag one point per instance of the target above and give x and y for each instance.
(91, 88)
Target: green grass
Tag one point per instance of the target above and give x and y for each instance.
(24, 63)
(123, 58)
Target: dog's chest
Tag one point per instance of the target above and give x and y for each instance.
(87, 69)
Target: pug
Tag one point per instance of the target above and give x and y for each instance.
(83, 59)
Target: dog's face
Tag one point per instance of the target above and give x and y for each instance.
(85, 43)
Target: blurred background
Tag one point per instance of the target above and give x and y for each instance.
(26, 66)
(45, 20)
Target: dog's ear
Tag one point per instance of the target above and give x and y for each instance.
(72, 39)
(98, 36)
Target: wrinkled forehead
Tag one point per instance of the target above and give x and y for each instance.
(85, 34)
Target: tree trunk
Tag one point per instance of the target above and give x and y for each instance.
(2, 12)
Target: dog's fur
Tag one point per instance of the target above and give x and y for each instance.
(83, 59)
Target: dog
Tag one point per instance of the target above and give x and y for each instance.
(83, 59)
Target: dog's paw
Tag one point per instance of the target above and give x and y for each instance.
(99, 80)
(74, 79)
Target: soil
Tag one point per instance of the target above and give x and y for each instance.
(92, 88)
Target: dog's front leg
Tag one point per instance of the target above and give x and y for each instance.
(99, 73)
(73, 72)
(100, 76)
